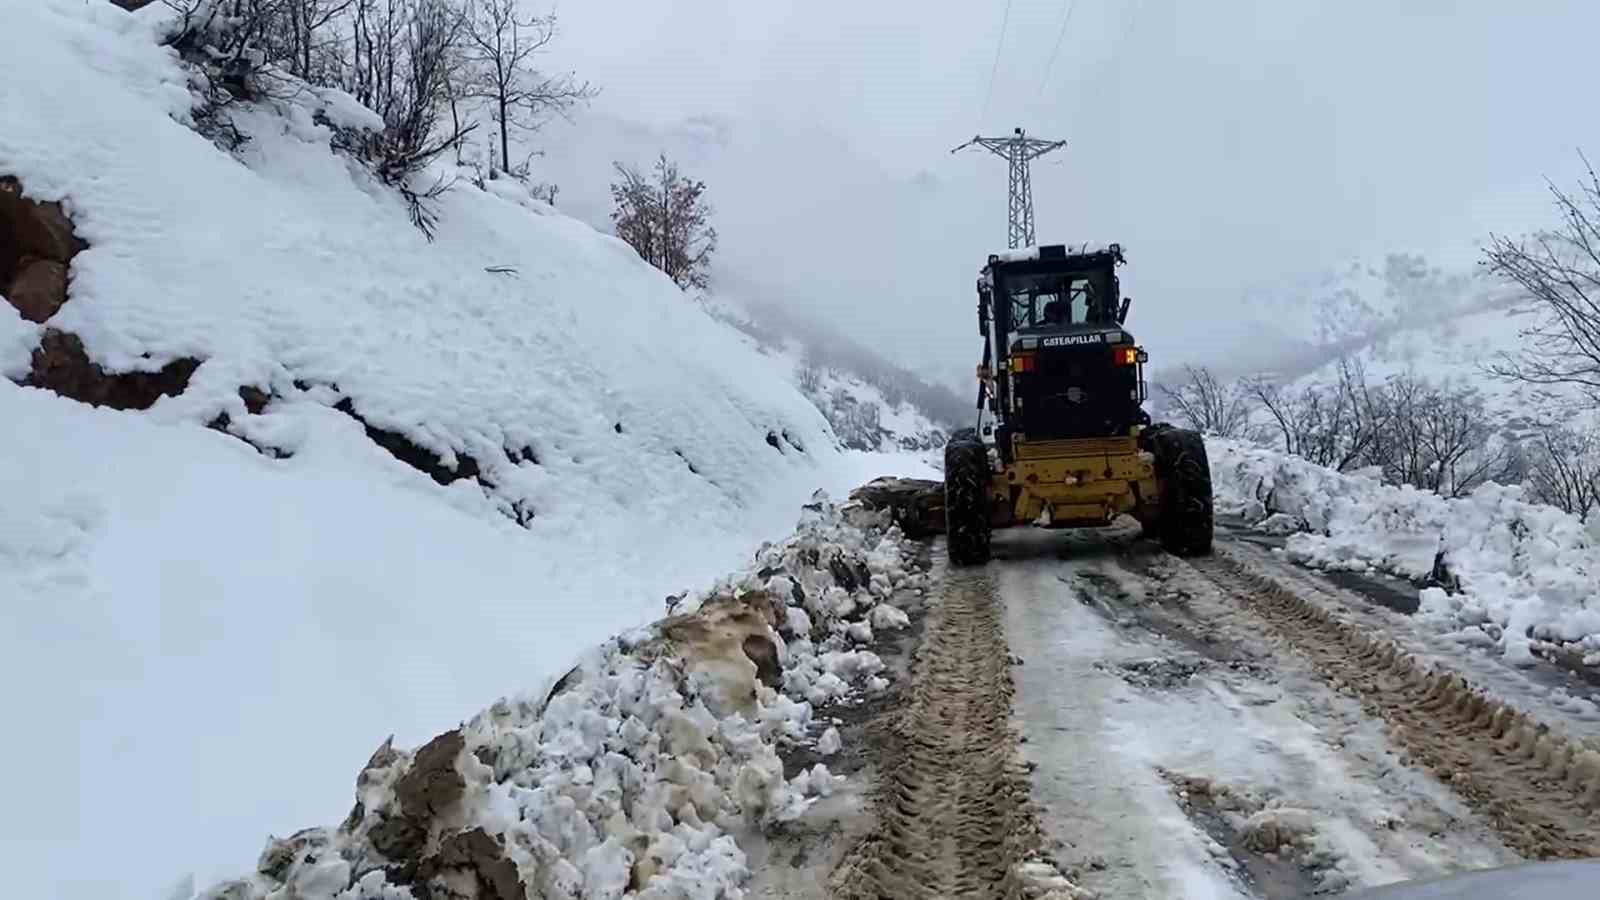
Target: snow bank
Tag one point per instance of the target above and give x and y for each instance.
(1520, 572)
(201, 639)
(638, 769)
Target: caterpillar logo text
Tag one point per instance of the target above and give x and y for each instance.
(1068, 340)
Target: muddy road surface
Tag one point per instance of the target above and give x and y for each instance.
(1088, 716)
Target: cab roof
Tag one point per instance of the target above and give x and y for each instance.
(1085, 253)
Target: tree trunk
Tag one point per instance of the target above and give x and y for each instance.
(505, 142)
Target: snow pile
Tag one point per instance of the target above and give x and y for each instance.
(636, 771)
(1517, 572)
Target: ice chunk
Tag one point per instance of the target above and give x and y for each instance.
(829, 743)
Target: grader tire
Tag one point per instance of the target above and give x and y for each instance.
(966, 499)
(1186, 522)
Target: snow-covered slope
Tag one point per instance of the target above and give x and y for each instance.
(1406, 315)
(203, 630)
(863, 418)
(871, 404)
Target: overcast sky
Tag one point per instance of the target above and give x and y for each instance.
(1227, 144)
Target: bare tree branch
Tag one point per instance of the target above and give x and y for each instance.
(1207, 405)
(1560, 270)
(502, 49)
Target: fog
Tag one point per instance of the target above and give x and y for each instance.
(1233, 148)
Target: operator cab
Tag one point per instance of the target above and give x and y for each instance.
(1064, 366)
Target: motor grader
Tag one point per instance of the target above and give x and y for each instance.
(1064, 441)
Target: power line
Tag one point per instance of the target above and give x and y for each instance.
(1005, 21)
(1050, 64)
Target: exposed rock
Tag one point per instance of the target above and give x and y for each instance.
(470, 863)
(61, 364)
(916, 505)
(36, 246)
(255, 399)
(764, 654)
(38, 289)
(1441, 576)
(843, 575)
(399, 838)
(31, 228)
(408, 452)
(430, 787)
(772, 441)
(282, 853)
(433, 784)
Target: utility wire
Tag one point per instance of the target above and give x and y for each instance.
(1005, 21)
(1050, 64)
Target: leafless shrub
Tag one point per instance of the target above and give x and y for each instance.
(1208, 405)
(404, 65)
(1560, 270)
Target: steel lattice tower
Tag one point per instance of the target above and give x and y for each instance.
(1018, 151)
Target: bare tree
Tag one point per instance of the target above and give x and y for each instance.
(1564, 470)
(502, 48)
(1207, 405)
(314, 50)
(1560, 270)
(1440, 439)
(1330, 425)
(665, 217)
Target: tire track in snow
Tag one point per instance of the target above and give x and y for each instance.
(954, 814)
(1539, 790)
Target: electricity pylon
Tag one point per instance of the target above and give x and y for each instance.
(1019, 150)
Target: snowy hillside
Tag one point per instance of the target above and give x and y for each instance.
(1458, 350)
(433, 472)
(871, 404)
(1402, 315)
(864, 419)
(1351, 304)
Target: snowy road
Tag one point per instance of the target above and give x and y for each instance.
(1193, 729)
(1177, 747)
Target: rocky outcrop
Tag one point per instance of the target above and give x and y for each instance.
(61, 364)
(407, 451)
(38, 289)
(37, 244)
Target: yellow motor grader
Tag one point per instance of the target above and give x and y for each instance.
(1067, 442)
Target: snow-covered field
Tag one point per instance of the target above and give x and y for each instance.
(201, 641)
(1526, 572)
